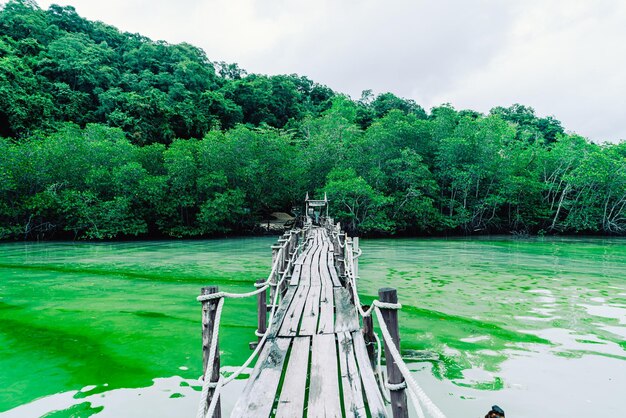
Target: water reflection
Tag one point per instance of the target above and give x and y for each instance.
(113, 329)
(507, 318)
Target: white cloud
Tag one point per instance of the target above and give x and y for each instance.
(563, 57)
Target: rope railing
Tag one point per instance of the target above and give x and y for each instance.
(208, 411)
(417, 395)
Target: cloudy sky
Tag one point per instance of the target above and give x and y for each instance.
(565, 58)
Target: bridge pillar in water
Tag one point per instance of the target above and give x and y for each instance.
(355, 249)
(262, 311)
(209, 308)
(399, 405)
(368, 336)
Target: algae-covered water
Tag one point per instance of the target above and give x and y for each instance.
(113, 329)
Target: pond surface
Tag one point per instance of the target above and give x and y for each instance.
(113, 329)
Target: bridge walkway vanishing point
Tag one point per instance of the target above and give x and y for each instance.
(313, 358)
(315, 344)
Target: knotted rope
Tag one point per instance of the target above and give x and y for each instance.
(417, 395)
(203, 411)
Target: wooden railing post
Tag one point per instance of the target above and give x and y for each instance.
(368, 336)
(284, 266)
(390, 316)
(341, 239)
(275, 250)
(261, 310)
(209, 308)
(355, 261)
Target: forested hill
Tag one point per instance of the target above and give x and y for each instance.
(105, 134)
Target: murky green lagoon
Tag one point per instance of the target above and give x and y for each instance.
(113, 330)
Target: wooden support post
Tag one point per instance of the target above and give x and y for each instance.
(284, 285)
(209, 308)
(341, 269)
(262, 310)
(284, 263)
(368, 336)
(355, 261)
(398, 397)
(275, 250)
(342, 240)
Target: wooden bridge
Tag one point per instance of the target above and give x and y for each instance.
(315, 358)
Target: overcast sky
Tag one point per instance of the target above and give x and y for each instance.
(565, 58)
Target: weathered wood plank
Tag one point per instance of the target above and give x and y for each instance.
(375, 403)
(345, 313)
(258, 395)
(279, 316)
(325, 271)
(291, 402)
(295, 275)
(305, 253)
(327, 312)
(305, 275)
(315, 267)
(311, 312)
(305, 272)
(290, 324)
(353, 403)
(324, 384)
(333, 272)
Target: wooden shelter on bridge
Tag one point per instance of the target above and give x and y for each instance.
(316, 209)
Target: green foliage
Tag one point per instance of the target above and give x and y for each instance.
(106, 135)
(56, 66)
(358, 204)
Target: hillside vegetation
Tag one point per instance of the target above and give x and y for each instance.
(105, 134)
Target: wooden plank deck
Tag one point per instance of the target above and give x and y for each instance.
(314, 359)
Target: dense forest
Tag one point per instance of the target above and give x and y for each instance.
(105, 134)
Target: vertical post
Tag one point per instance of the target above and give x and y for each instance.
(293, 245)
(275, 249)
(284, 265)
(368, 336)
(337, 249)
(355, 261)
(341, 239)
(296, 240)
(398, 397)
(209, 309)
(261, 299)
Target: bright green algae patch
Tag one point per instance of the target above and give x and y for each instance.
(73, 315)
(474, 303)
(101, 317)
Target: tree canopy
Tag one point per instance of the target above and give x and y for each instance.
(105, 135)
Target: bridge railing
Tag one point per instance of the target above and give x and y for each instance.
(399, 378)
(284, 255)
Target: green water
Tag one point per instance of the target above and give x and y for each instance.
(113, 329)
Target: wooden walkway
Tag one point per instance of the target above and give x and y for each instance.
(314, 360)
